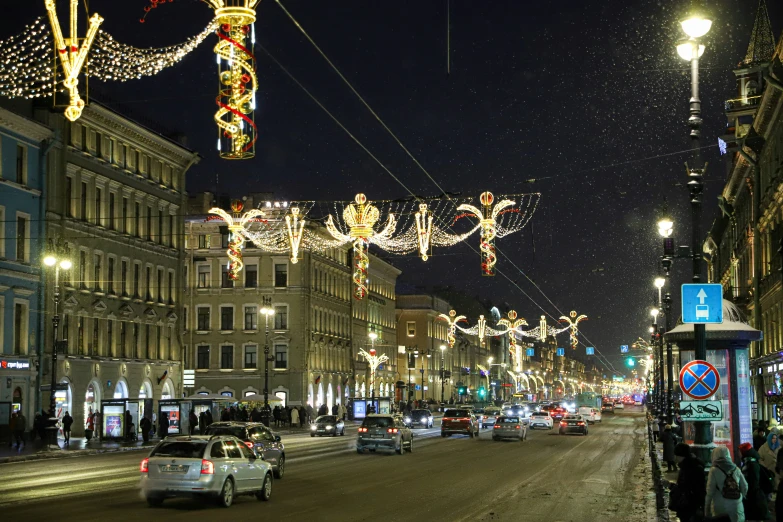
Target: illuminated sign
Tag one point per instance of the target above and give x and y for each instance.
(14, 364)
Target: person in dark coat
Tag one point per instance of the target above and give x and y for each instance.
(323, 410)
(758, 438)
(192, 421)
(202, 423)
(146, 427)
(163, 429)
(669, 440)
(690, 488)
(67, 422)
(208, 418)
(755, 503)
(276, 415)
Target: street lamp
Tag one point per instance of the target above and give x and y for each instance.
(57, 257)
(373, 336)
(442, 366)
(695, 25)
(267, 312)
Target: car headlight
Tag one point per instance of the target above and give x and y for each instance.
(407, 419)
(424, 419)
(313, 427)
(330, 427)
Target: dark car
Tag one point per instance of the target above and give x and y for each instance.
(384, 432)
(421, 418)
(256, 436)
(573, 424)
(459, 421)
(327, 425)
(607, 407)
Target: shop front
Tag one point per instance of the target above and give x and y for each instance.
(18, 378)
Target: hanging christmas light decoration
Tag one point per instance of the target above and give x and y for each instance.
(572, 321)
(295, 226)
(512, 323)
(236, 225)
(374, 360)
(452, 319)
(424, 228)
(72, 55)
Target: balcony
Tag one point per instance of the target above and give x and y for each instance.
(747, 102)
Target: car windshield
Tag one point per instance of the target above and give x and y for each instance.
(420, 413)
(573, 418)
(182, 449)
(326, 419)
(457, 413)
(236, 431)
(539, 414)
(378, 422)
(508, 420)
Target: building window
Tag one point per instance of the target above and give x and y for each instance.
(226, 357)
(226, 318)
(69, 197)
(281, 276)
(149, 223)
(202, 314)
(185, 318)
(137, 219)
(149, 283)
(83, 202)
(171, 288)
(111, 275)
(112, 197)
(251, 357)
(96, 334)
(281, 318)
(20, 328)
(202, 358)
(136, 277)
(171, 231)
(225, 280)
(203, 276)
(126, 227)
(160, 227)
(96, 272)
(21, 164)
(83, 269)
(80, 346)
(411, 328)
(251, 318)
(281, 357)
(251, 276)
(223, 237)
(98, 209)
(124, 277)
(203, 241)
(21, 239)
(160, 285)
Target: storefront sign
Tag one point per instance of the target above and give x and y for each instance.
(14, 364)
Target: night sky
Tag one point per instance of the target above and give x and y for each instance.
(587, 98)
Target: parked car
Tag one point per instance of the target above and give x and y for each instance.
(573, 424)
(327, 425)
(509, 428)
(459, 421)
(257, 437)
(421, 418)
(541, 419)
(381, 431)
(218, 466)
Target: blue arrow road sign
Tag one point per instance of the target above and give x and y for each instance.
(589, 350)
(531, 352)
(702, 303)
(561, 352)
(623, 348)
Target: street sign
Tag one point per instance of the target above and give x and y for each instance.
(561, 352)
(57, 387)
(699, 380)
(623, 348)
(590, 350)
(701, 410)
(530, 352)
(702, 303)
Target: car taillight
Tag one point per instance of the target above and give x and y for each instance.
(517, 427)
(580, 423)
(563, 423)
(249, 444)
(392, 430)
(496, 426)
(362, 430)
(207, 468)
(145, 466)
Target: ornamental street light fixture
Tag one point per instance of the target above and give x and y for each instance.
(442, 366)
(267, 312)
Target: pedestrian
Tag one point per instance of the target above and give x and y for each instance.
(768, 454)
(164, 425)
(208, 418)
(12, 429)
(669, 440)
(758, 438)
(656, 429)
(19, 428)
(285, 416)
(303, 420)
(310, 413)
(128, 424)
(323, 410)
(725, 487)
(192, 421)
(67, 422)
(341, 412)
(146, 427)
(755, 503)
(90, 425)
(276, 415)
(334, 409)
(686, 497)
(294, 418)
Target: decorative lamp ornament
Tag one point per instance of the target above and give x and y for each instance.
(572, 321)
(487, 216)
(236, 226)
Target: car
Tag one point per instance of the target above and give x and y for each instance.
(618, 405)
(488, 416)
(256, 436)
(541, 419)
(327, 425)
(422, 418)
(508, 427)
(591, 415)
(607, 407)
(637, 403)
(217, 466)
(557, 413)
(459, 420)
(518, 410)
(573, 424)
(381, 431)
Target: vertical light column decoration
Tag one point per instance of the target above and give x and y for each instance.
(71, 55)
(452, 319)
(482, 329)
(236, 62)
(374, 360)
(361, 217)
(487, 216)
(295, 226)
(236, 225)
(572, 323)
(424, 229)
(542, 329)
(512, 323)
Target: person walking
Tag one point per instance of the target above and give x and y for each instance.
(294, 418)
(768, 455)
(725, 487)
(67, 422)
(755, 503)
(669, 440)
(687, 495)
(192, 421)
(12, 429)
(759, 439)
(19, 428)
(276, 415)
(202, 423)
(146, 427)
(656, 429)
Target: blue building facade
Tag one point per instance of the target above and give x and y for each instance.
(23, 146)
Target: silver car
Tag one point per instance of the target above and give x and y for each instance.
(507, 427)
(220, 466)
(384, 432)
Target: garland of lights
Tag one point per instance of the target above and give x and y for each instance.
(488, 221)
(236, 225)
(452, 319)
(512, 323)
(572, 323)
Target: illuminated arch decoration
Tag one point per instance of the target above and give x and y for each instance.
(572, 321)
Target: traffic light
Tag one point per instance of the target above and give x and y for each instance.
(630, 362)
(482, 392)
(462, 390)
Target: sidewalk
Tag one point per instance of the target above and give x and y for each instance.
(78, 447)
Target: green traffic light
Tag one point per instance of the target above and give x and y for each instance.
(630, 362)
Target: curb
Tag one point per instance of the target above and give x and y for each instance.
(65, 454)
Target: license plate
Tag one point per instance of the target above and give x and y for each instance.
(169, 468)
(376, 436)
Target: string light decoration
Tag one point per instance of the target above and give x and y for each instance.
(374, 360)
(452, 319)
(572, 321)
(512, 323)
(71, 54)
(236, 225)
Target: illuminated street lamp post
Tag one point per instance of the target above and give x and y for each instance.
(267, 312)
(374, 361)
(57, 257)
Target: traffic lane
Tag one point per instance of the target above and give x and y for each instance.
(456, 478)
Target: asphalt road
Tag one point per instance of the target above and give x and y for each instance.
(547, 478)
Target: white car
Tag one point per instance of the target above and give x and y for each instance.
(591, 415)
(488, 417)
(541, 419)
(618, 405)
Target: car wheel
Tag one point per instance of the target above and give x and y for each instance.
(372, 450)
(410, 446)
(312, 435)
(495, 438)
(226, 497)
(155, 501)
(334, 434)
(400, 449)
(470, 433)
(280, 471)
(266, 490)
(342, 433)
(360, 451)
(444, 435)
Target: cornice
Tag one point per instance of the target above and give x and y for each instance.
(23, 126)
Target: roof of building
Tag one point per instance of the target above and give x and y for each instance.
(761, 47)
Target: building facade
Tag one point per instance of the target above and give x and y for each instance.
(24, 145)
(116, 195)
